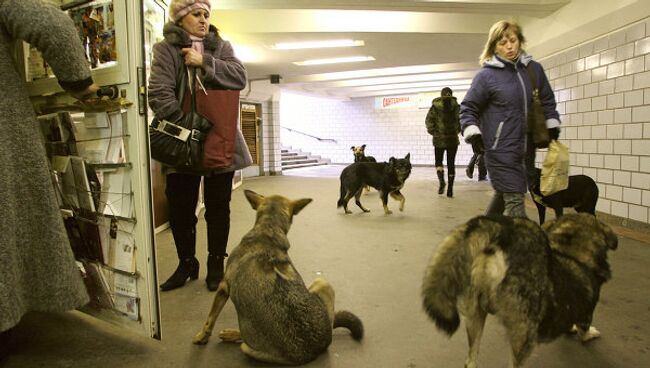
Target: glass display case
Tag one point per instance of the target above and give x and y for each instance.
(103, 32)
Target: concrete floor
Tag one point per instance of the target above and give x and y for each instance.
(375, 263)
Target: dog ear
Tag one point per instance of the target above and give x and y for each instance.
(253, 198)
(363, 146)
(298, 205)
(408, 157)
(352, 148)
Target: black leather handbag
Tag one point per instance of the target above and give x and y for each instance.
(536, 121)
(179, 144)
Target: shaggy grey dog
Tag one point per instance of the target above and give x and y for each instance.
(540, 283)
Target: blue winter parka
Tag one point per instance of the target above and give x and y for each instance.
(496, 106)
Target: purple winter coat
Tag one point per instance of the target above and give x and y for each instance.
(497, 104)
(220, 70)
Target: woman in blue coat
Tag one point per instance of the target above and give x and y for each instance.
(493, 116)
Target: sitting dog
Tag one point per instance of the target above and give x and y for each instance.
(281, 321)
(538, 285)
(386, 177)
(360, 154)
(581, 194)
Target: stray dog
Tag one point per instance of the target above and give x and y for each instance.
(538, 285)
(360, 154)
(281, 321)
(386, 177)
(581, 194)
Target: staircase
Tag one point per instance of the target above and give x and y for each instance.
(293, 159)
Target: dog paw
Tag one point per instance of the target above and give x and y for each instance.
(591, 334)
(388, 212)
(201, 338)
(348, 212)
(230, 335)
(365, 210)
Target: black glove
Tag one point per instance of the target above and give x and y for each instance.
(477, 143)
(554, 133)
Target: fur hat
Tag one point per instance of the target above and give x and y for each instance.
(180, 8)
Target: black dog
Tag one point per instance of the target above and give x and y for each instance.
(360, 154)
(582, 195)
(386, 177)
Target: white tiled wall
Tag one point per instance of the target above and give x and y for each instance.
(343, 124)
(603, 92)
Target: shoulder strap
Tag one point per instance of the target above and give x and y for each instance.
(193, 88)
(532, 76)
(180, 93)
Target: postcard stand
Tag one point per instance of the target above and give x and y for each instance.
(100, 165)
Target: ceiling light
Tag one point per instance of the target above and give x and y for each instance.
(351, 59)
(316, 44)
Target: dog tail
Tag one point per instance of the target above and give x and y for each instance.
(446, 278)
(351, 322)
(341, 201)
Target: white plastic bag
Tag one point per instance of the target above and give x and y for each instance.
(555, 169)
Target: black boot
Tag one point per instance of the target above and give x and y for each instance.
(215, 271)
(187, 268)
(450, 186)
(441, 179)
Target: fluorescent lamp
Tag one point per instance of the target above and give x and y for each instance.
(351, 59)
(316, 44)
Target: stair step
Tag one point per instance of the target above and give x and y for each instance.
(295, 162)
(296, 166)
(292, 159)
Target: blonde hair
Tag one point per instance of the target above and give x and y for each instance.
(497, 31)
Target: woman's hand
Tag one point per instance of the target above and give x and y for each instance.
(192, 57)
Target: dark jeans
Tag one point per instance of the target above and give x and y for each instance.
(182, 193)
(451, 158)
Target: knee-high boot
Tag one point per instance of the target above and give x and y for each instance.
(215, 271)
(450, 185)
(188, 265)
(441, 179)
(217, 217)
(187, 268)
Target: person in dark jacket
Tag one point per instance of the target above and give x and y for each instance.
(443, 124)
(191, 41)
(494, 112)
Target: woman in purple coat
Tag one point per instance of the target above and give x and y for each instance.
(493, 116)
(190, 41)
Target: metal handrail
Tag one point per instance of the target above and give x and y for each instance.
(309, 135)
